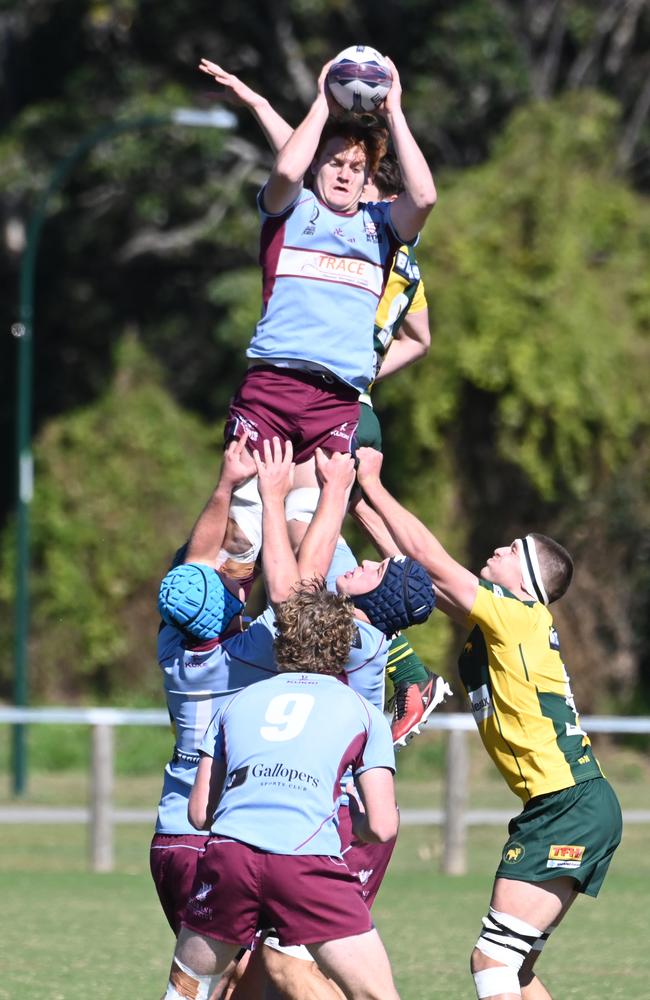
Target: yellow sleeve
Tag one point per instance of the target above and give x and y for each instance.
(419, 299)
(503, 618)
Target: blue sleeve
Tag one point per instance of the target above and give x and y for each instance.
(212, 742)
(286, 211)
(378, 751)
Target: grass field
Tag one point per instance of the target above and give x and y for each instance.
(67, 934)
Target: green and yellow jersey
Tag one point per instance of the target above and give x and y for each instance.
(520, 695)
(404, 292)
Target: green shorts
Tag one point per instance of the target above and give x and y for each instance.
(368, 433)
(573, 832)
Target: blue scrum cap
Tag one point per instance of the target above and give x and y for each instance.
(404, 597)
(193, 598)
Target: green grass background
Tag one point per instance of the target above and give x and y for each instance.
(68, 934)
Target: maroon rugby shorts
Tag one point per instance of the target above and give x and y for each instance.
(306, 898)
(310, 410)
(173, 859)
(366, 862)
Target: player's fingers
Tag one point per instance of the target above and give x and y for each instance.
(288, 452)
(241, 442)
(268, 454)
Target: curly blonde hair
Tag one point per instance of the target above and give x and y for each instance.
(314, 630)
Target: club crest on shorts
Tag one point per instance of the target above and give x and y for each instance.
(565, 856)
(513, 853)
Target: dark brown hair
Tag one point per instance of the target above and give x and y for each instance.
(314, 630)
(388, 176)
(555, 564)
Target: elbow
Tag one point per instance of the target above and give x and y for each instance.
(287, 171)
(426, 197)
(198, 818)
(386, 830)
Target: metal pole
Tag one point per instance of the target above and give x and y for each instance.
(454, 861)
(24, 332)
(101, 799)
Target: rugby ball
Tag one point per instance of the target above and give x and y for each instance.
(359, 78)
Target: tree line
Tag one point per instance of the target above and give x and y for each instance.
(529, 411)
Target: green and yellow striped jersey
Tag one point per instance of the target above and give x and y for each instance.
(520, 695)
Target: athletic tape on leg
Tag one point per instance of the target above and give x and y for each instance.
(543, 938)
(185, 984)
(495, 982)
(293, 950)
(506, 938)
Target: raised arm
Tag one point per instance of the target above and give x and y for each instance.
(373, 525)
(336, 476)
(455, 586)
(295, 157)
(410, 209)
(276, 130)
(411, 343)
(275, 471)
(209, 531)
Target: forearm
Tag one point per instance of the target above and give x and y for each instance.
(278, 561)
(402, 352)
(374, 526)
(296, 154)
(317, 547)
(416, 175)
(208, 533)
(411, 536)
(276, 130)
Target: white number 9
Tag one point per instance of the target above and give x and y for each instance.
(287, 715)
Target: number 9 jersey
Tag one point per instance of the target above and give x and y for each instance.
(286, 742)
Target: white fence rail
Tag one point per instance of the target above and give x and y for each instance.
(101, 816)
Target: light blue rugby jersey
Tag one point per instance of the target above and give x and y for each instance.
(286, 743)
(197, 681)
(323, 274)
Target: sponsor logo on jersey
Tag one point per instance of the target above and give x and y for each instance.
(236, 778)
(553, 640)
(406, 267)
(513, 853)
(574, 730)
(481, 702)
(496, 590)
(342, 431)
(565, 856)
(300, 263)
(240, 424)
(372, 233)
(203, 892)
(283, 775)
(311, 228)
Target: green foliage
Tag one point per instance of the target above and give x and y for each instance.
(118, 486)
(536, 269)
